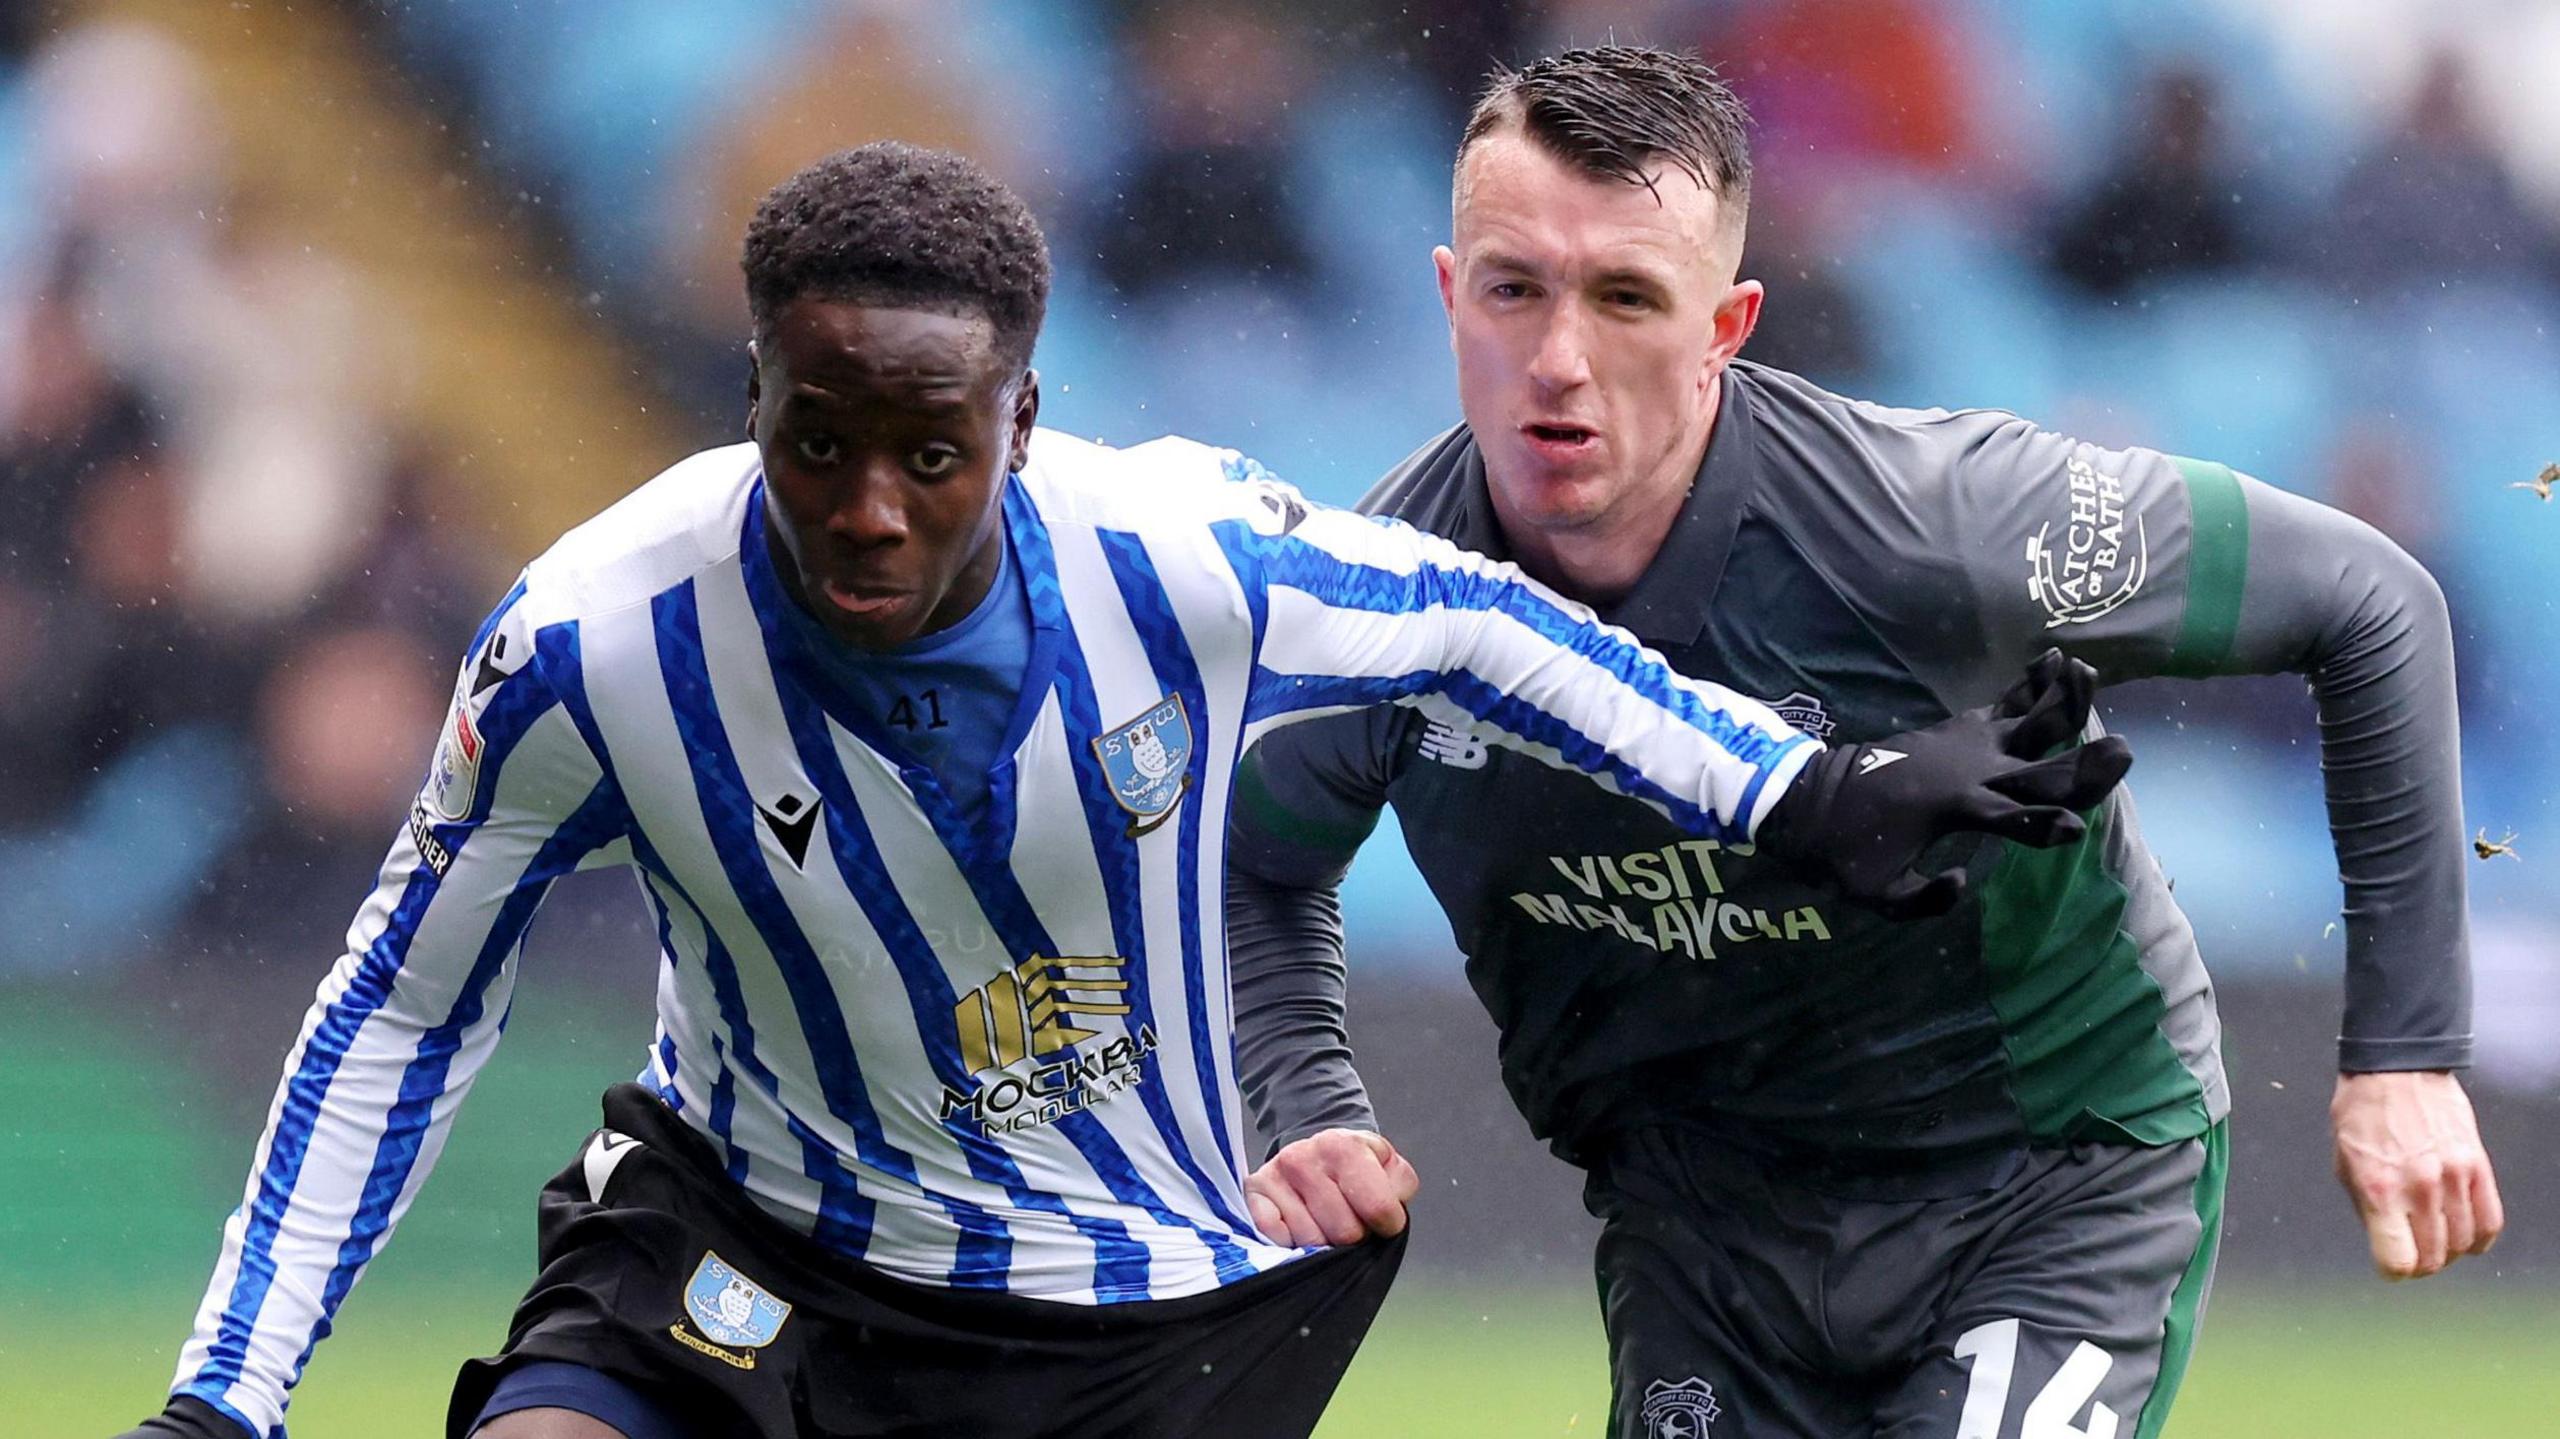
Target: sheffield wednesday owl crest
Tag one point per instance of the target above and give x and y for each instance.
(732, 1310)
(1148, 761)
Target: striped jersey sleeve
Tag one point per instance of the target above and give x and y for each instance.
(1357, 611)
(514, 798)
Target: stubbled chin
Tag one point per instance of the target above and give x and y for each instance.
(1546, 497)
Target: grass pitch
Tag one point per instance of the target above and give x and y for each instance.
(2321, 1365)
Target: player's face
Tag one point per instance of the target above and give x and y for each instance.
(1591, 321)
(887, 435)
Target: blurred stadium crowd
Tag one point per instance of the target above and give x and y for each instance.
(2316, 242)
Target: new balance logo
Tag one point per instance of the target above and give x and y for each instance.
(1457, 748)
(1876, 759)
(793, 820)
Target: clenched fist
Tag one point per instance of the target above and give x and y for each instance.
(1337, 1187)
(2409, 1153)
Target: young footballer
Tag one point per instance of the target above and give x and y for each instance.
(917, 726)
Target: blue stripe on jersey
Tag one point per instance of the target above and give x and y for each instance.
(511, 711)
(1116, 852)
(728, 816)
(667, 1090)
(1169, 655)
(724, 1106)
(1121, 1262)
(1334, 581)
(1277, 694)
(597, 821)
(490, 625)
(560, 650)
(1243, 549)
(1273, 693)
(844, 1211)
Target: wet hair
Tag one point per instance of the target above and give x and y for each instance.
(1620, 112)
(896, 224)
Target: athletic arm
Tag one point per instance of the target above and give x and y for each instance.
(2150, 565)
(1357, 611)
(1307, 796)
(2146, 565)
(515, 797)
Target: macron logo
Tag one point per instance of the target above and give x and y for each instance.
(1876, 759)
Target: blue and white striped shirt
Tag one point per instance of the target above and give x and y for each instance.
(990, 1055)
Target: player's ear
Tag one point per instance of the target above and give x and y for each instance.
(1444, 263)
(1737, 315)
(755, 388)
(1026, 414)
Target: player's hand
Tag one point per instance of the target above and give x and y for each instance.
(1337, 1187)
(2410, 1156)
(187, 1417)
(1860, 815)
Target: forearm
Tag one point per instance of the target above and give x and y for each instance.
(1368, 613)
(1293, 1054)
(2333, 599)
(366, 1098)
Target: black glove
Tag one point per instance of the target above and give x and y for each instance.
(1859, 815)
(187, 1417)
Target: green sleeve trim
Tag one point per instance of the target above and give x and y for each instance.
(1268, 813)
(2186, 1304)
(2217, 567)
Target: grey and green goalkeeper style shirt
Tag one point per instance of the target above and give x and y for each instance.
(1870, 570)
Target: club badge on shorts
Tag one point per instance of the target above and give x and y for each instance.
(733, 1312)
(1679, 1411)
(1148, 761)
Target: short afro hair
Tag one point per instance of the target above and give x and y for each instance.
(892, 223)
(1614, 112)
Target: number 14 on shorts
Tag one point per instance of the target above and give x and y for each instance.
(2054, 1413)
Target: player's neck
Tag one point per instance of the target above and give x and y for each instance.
(1601, 563)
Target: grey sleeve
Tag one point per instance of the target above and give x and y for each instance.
(1293, 1053)
(2146, 564)
(1307, 796)
(2330, 597)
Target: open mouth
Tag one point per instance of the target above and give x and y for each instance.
(1559, 438)
(863, 601)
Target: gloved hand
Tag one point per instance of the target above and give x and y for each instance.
(187, 1417)
(1859, 815)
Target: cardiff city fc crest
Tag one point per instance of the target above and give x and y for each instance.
(1148, 761)
(731, 1309)
(1806, 713)
(1679, 1411)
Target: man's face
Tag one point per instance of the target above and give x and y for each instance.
(1591, 322)
(886, 435)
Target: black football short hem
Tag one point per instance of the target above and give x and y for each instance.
(861, 1352)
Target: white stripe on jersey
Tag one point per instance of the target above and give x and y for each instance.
(991, 1051)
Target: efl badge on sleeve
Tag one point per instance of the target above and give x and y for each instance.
(453, 777)
(732, 1311)
(1148, 761)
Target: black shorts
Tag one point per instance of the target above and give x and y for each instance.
(857, 1352)
(1739, 1298)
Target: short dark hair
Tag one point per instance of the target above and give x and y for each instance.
(1618, 111)
(894, 223)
